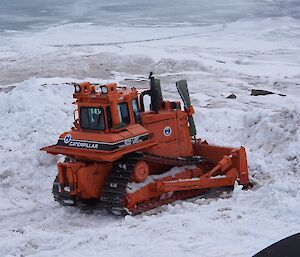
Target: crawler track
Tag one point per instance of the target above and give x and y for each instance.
(114, 192)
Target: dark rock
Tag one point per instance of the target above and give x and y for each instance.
(257, 92)
(232, 96)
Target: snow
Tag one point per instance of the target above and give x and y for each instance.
(216, 60)
(133, 187)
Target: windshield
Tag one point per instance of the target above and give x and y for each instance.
(92, 118)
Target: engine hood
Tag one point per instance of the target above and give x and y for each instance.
(101, 145)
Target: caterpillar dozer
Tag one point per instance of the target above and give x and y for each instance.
(130, 151)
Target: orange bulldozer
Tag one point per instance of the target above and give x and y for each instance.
(128, 153)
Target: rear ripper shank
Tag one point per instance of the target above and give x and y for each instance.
(118, 142)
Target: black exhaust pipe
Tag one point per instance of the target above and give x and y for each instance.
(155, 93)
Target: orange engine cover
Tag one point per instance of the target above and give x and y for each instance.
(170, 131)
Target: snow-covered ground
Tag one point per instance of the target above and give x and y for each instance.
(217, 60)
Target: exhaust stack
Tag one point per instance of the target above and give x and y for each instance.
(155, 93)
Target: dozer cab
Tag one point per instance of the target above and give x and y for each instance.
(127, 158)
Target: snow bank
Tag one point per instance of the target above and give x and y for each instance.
(27, 116)
(218, 61)
(34, 114)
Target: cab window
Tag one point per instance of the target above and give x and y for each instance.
(136, 111)
(123, 113)
(92, 118)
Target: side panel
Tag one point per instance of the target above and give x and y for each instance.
(165, 133)
(170, 131)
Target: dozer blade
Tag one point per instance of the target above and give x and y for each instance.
(185, 96)
(225, 166)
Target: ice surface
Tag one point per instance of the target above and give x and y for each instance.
(216, 60)
(37, 14)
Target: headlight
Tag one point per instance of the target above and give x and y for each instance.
(98, 89)
(104, 90)
(77, 88)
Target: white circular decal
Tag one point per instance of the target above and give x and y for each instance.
(67, 139)
(167, 131)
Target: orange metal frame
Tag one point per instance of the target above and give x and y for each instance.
(87, 175)
(231, 167)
